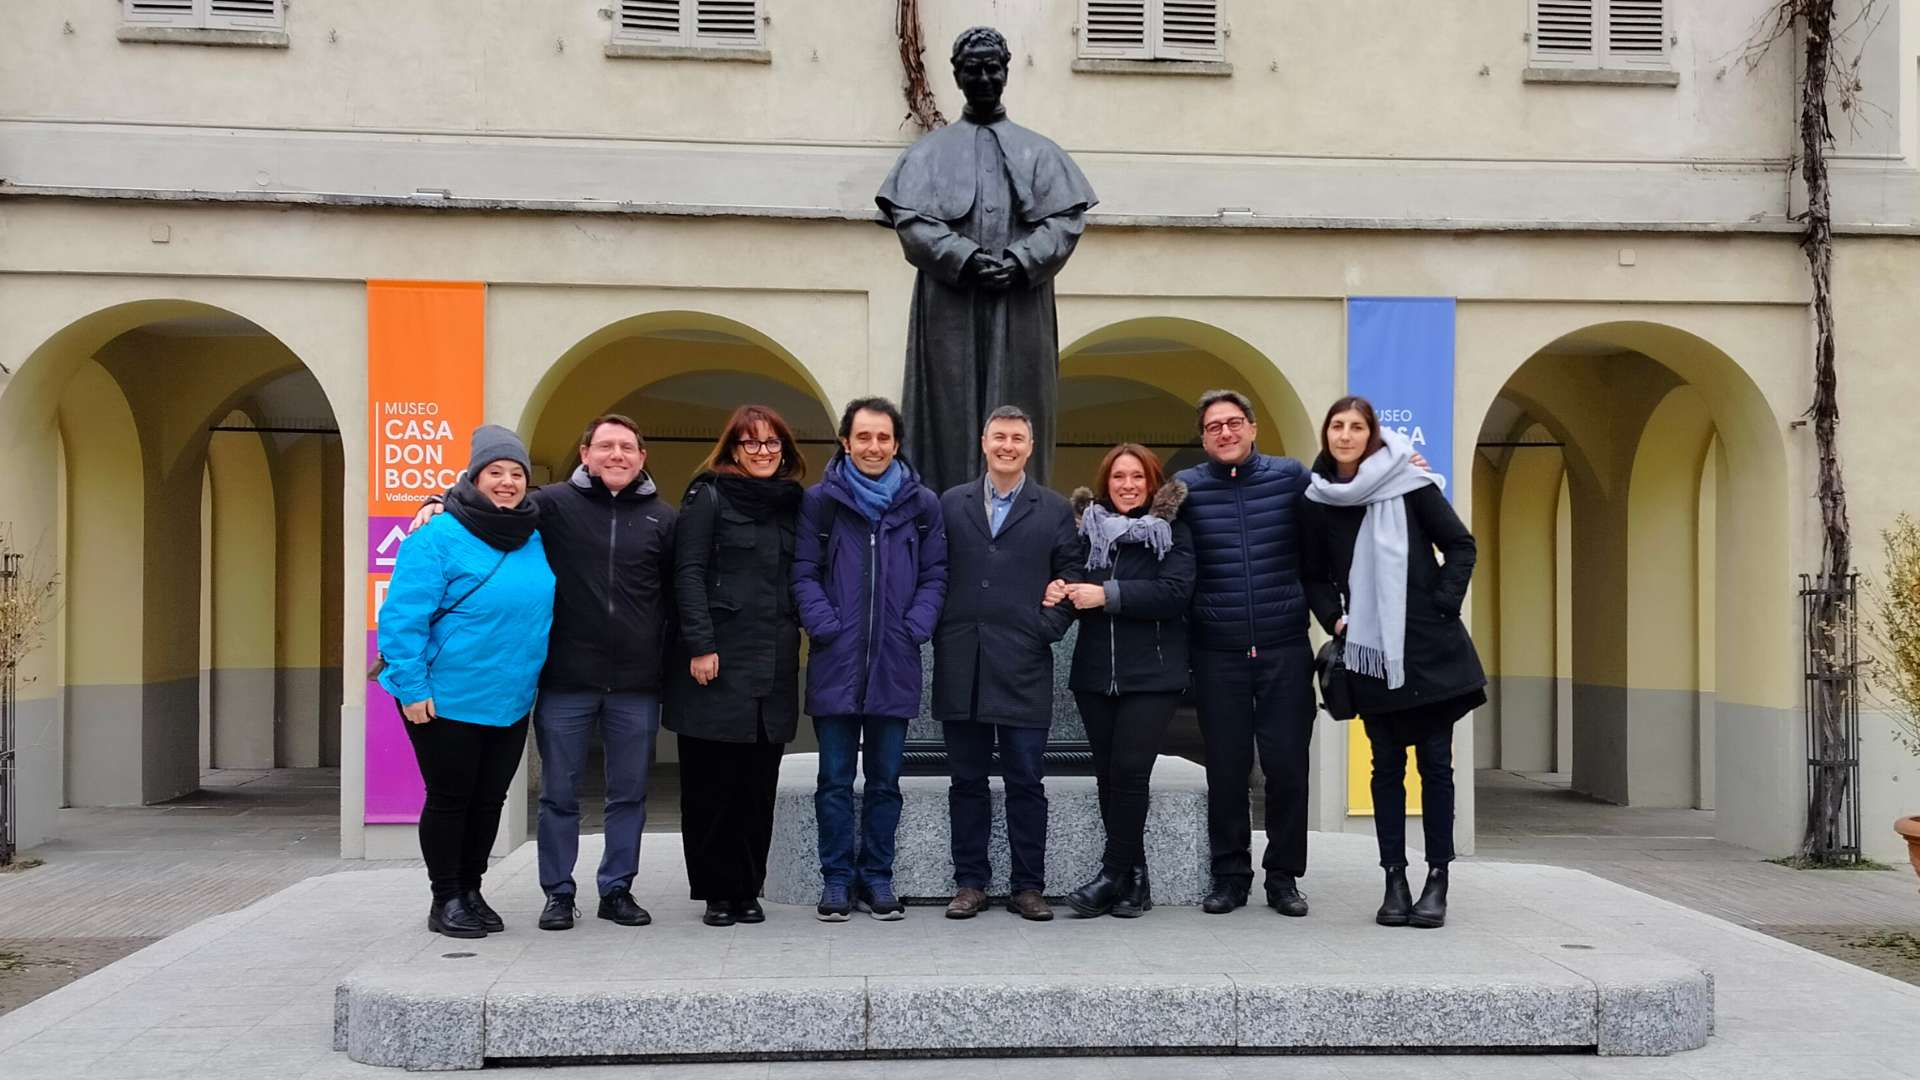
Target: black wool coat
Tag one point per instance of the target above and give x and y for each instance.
(1441, 661)
(1138, 642)
(730, 580)
(993, 649)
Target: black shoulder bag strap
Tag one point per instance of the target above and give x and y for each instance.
(380, 662)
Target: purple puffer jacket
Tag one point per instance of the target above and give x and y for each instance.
(868, 595)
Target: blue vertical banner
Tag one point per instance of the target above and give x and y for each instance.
(1400, 357)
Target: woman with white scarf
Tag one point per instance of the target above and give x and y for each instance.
(1373, 523)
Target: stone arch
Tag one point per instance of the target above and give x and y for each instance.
(678, 373)
(107, 426)
(1637, 405)
(1167, 362)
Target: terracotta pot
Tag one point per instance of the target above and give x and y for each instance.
(1909, 828)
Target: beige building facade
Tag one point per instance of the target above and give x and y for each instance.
(670, 206)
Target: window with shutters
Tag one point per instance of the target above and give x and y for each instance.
(205, 14)
(1601, 34)
(1151, 30)
(689, 24)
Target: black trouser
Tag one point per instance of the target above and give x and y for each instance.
(467, 768)
(1262, 703)
(1432, 741)
(726, 814)
(970, 802)
(1126, 732)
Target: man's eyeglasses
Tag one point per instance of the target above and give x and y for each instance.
(1233, 424)
(760, 446)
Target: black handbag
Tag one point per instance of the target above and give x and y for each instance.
(1336, 689)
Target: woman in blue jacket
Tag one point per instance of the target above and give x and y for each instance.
(463, 635)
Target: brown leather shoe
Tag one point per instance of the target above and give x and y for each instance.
(1029, 904)
(966, 904)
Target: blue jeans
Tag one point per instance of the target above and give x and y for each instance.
(562, 721)
(970, 747)
(877, 743)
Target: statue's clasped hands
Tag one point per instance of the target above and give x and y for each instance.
(992, 272)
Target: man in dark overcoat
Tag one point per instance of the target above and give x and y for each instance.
(1007, 537)
(988, 212)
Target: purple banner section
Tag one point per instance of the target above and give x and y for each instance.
(395, 792)
(383, 542)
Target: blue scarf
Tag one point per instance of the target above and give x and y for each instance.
(873, 495)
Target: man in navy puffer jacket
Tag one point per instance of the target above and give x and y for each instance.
(1252, 666)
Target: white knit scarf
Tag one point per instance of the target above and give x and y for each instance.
(1377, 625)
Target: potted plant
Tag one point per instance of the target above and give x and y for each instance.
(1892, 669)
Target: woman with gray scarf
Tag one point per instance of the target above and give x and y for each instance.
(1374, 521)
(1130, 665)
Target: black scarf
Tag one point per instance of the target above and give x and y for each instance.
(759, 499)
(501, 529)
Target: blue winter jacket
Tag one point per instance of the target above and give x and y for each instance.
(868, 595)
(480, 662)
(1245, 518)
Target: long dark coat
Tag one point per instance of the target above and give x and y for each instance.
(993, 651)
(1000, 188)
(1138, 642)
(730, 580)
(1441, 662)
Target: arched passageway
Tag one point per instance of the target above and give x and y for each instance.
(185, 466)
(1137, 380)
(1635, 593)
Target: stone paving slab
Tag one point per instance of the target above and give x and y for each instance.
(1781, 1011)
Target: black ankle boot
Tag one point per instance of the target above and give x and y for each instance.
(1097, 897)
(719, 913)
(1398, 905)
(453, 918)
(1137, 897)
(1431, 910)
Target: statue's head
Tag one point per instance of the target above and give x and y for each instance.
(980, 59)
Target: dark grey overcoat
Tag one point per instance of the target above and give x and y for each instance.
(993, 649)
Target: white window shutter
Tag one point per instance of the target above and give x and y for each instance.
(724, 23)
(1187, 30)
(245, 14)
(656, 22)
(162, 12)
(1115, 29)
(1563, 33)
(1636, 33)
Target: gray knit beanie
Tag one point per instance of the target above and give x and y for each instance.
(492, 443)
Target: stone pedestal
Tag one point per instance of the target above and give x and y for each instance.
(1177, 855)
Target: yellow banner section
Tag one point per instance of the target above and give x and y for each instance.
(1360, 774)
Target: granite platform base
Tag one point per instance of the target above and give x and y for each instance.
(1177, 856)
(1532, 960)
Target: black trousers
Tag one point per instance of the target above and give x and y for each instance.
(467, 768)
(1431, 736)
(1248, 704)
(970, 748)
(1126, 732)
(726, 814)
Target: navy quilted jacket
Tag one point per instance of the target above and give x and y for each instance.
(1246, 538)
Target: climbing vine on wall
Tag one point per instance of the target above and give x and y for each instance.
(1829, 77)
(921, 108)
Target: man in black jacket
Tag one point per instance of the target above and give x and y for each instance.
(1007, 537)
(609, 540)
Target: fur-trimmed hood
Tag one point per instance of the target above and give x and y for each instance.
(1164, 505)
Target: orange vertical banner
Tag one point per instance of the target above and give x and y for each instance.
(426, 374)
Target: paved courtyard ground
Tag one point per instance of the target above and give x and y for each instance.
(122, 878)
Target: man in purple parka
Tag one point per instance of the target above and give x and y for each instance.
(869, 580)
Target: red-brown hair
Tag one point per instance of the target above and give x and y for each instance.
(1353, 403)
(1149, 463)
(793, 466)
